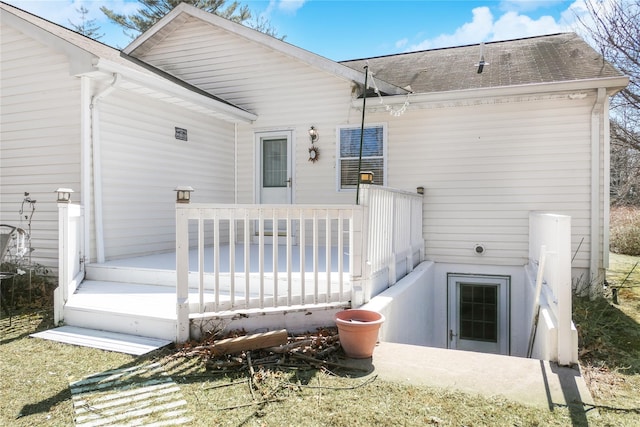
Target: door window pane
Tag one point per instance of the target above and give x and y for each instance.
(274, 162)
(478, 312)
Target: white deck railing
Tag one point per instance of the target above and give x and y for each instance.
(70, 255)
(394, 243)
(301, 261)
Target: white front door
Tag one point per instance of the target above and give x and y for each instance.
(274, 168)
(478, 313)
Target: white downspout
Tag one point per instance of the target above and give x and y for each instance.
(607, 183)
(235, 163)
(596, 128)
(85, 123)
(97, 169)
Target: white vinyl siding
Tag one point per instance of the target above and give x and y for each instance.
(285, 93)
(485, 167)
(143, 162)
(40, 137)
(352, 158)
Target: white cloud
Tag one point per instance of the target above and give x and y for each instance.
(479, 29)
(290, 6)
(401, 43)
(510, 25)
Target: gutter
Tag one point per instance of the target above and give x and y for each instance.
(613, 85)
(97, 165)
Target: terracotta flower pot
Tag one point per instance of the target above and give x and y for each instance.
(358, 331)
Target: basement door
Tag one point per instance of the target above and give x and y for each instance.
(478, 317)
(274, 172)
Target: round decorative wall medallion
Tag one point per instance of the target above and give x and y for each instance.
(314, 154)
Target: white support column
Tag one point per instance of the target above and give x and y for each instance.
(565, 340)
(60, 294)
(182, 274)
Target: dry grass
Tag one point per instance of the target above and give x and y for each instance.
(36, 375)
(34, 383)
(625, 230)
(610, 344)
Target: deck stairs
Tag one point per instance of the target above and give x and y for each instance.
(125, 300)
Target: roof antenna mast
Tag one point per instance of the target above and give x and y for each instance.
(364, 105)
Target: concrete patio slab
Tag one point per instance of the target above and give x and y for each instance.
(528, 381)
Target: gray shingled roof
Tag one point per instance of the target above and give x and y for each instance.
(544, 59)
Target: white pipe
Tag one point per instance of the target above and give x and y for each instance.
(596, 117)
(607, 183)
(235, 163)
(85, 123)
(97, 169)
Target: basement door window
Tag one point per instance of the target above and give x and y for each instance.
(373, 154)
(478, 312)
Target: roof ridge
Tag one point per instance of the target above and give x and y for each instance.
(391, 55)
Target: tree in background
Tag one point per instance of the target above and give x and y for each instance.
(86, 27)
(614, 28)
(152, 11)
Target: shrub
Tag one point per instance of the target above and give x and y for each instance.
(625, 230)
(30, 287)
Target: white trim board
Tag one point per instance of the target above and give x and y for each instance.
(110, 341)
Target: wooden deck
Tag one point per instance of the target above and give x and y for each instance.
(138, 295)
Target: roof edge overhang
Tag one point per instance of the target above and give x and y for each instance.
(145, 41)
(80, 60)
(612, 85)
(161, 84)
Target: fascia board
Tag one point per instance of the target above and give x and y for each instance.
(310, 58)
(612, 84)
(162, 85)
(80, 59)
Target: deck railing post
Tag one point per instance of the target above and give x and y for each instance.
(182, 273)
(563, 289)
(60, 295)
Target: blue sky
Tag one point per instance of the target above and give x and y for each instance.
(341, 30)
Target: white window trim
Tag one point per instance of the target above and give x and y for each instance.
(385, 159)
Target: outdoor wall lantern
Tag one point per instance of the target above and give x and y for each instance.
(313, 134)
(366, 177)
(183, 194)
(64, 195)
(420, 190)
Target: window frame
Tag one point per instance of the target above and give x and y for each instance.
(339, 158)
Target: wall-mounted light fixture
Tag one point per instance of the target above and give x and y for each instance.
(313, 134)
(183, 194)
(366, 177)
(420, 190)
(64, 195)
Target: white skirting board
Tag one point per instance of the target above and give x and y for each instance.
(111, 341)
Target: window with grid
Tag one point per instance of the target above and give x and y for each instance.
(373, 155)
(479, 312)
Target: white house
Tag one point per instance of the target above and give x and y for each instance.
(491, 133)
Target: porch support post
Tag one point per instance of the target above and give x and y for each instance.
(60, 295)
(563, 289)
(359, 243)
(182, 273)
